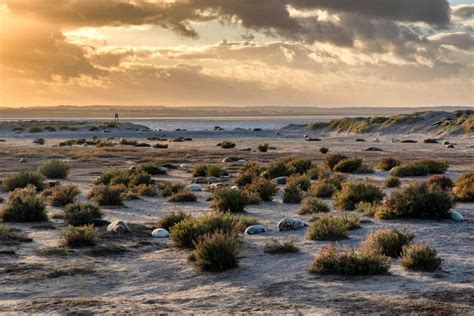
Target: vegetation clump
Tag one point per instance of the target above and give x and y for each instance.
(62, 195)
(328, 227)
(227, 144)
(108, 194)
(82, 214)
(171, 219)
(22, 180)
(263, 148)
(313, 205)
(167, 189)
(54, 169)
(77, 237)
(322, 188)
(348, 165)
(300, 181)
(230, 200)
(288, 166)
(464, 188)
(420, 257)
(216, 252)
(152, 169)
(388, 242)
(416, 200)
(354, 192)
(323, 150)
(292, 194)
(386, 164)
(332, 160)
(349, 262)
(24, 206)
(392, 182)
(264, 188)
(441, 181)
(183, 196)
(276, 247)
(420, 168)
(209, 170)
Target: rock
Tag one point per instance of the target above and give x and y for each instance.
(160, 233)
(22, 160)
(132, 168)
(255, 229)
(217, 185)
(309, 139)
(450, 146)
(305, 136)
(206, 180)
(184, 166)
(376, 140)
(54, 183)
(456, 216)
(194, 187)
(188, 156)
(187, 139)
(280, 180)
(242, 160)
(366, 221)
(99, 222)
(230, 159)
(234, 187)
(360, 140)
(289, 223)
(373, 149)
(257, 129)
(446, 142)
(118, 227)
(430, 141)
(245, 149)
(409, 141)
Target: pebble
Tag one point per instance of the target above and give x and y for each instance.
(289, 223)
(255, 229)
(160, 233)
(118, 227)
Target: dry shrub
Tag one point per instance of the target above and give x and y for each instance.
(230, 200)
(388, 242)
(328, 227)
(82, 214)
(62, 195)
(217, 252)
(292, 194)
(464, 188)
(332, 160)
(171, 219)
(420, 257)
(313, 205)
(441, 181)
(22, 180)
(183, 196)
(275, 247)
(77, 237)
(301, 181)
(54, 169)
(24, 206)
(107, 195)
(264, 188)
(354, 192)
(386, 164)
(392, 182)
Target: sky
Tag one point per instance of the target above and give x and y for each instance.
(327, 53)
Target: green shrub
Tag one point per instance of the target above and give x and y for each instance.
(24, 206)
(54, 169)
(328, 227)
(323, 150)
(388, 242)
(81, 214)
(420, 168)
(420, 257)
(464, 188)
(167, 189)
(217, 252)
(277, 169)
(349, 262)
(186, 232)
(107, 195)
(352, 221)
(416, 200)
(210, 170)
(441, 181)
(264, 188)
(313, 173)
(199, 170)
(300, 181)
(288, 166)
(10, 234)
(242, 222)
(183, 196)
(364, 169)
(76, 237)
(292, 194)
(263, 148)
(348, 165)
(36, 130)
(152, 169)
(244, 178)
(227, 144)
(386, 164)
(313, 205)
(62, 195)
(368, 208)
(322, 188)
(50, 128)
(275, 247)
(22, 180)
(39, 141)
(392, 182)
(171, 219)
(161, 146)
(137, 178)
(298, 165)
(332, 160)
(354, 192)
(230, 200)
(147, 189)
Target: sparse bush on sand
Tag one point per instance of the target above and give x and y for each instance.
(328, 227)
(22, 180)
(420, 168)
(24, 205)
(77, 237)
(62, 195)
(54, 169)
(292, 194)
(152, 169)
(82, 214)
(388, 242)
(420, 257)
(288, 166)
(416, 200)
(171, 219)
(300, 181)
(264, 188)
(244, 178)
(347, 262)
(386, 164)
(183, 196)
(217, 252)
(209, 170)
(313, 205)
(147, 190)
(323, 150)
(441, 181)
(108, 195)
(230, 200)
(368, 208)
(332, 160)
(322, 188)
(276, 247)
(227, 144)
(167, 189)
(392, 182)
(464, 188)
(354, 192)
(263, 148)
(242, 222)
(348, 165)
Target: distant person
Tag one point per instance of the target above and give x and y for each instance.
(116, 118)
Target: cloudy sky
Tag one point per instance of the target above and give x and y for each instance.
(237, 52)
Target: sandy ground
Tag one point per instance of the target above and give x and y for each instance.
(140, 274)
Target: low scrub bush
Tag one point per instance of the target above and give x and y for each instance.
(152, 169)
(39, 141)
(62, 195)
(313, 205)
(300, 181)
(54, 169)
(441, 181)
(217, 252)
(210, 170)
(354, 192)
(420, 168)
(388, 242)
(386, 164)
(292, 194)
(368, 208)
(312, 173)
(76, 237)
(160, 146)
(107, 195)
(420, 257)
(167, 189)
(227, 144)
(323, 150)
(244, 178)
(416, 200)
(24, 206)
(36, 130)
(22, 180)
(242, 222)
(348, 165)
(230, 200)
(147, 190)
(264, 188)
(322, 189)
(171, 219)
(392, 182)
(332, 160)
(185, 233)
(275, 247)
(263, 148)
(81, 214)
(464, 188)
(328, 227)
(289, 166)
(183, 196)
(349, 262)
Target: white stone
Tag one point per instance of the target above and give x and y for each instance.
(160, 233)
(194, 187)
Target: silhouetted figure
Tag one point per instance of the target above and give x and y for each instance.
(116, 118)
